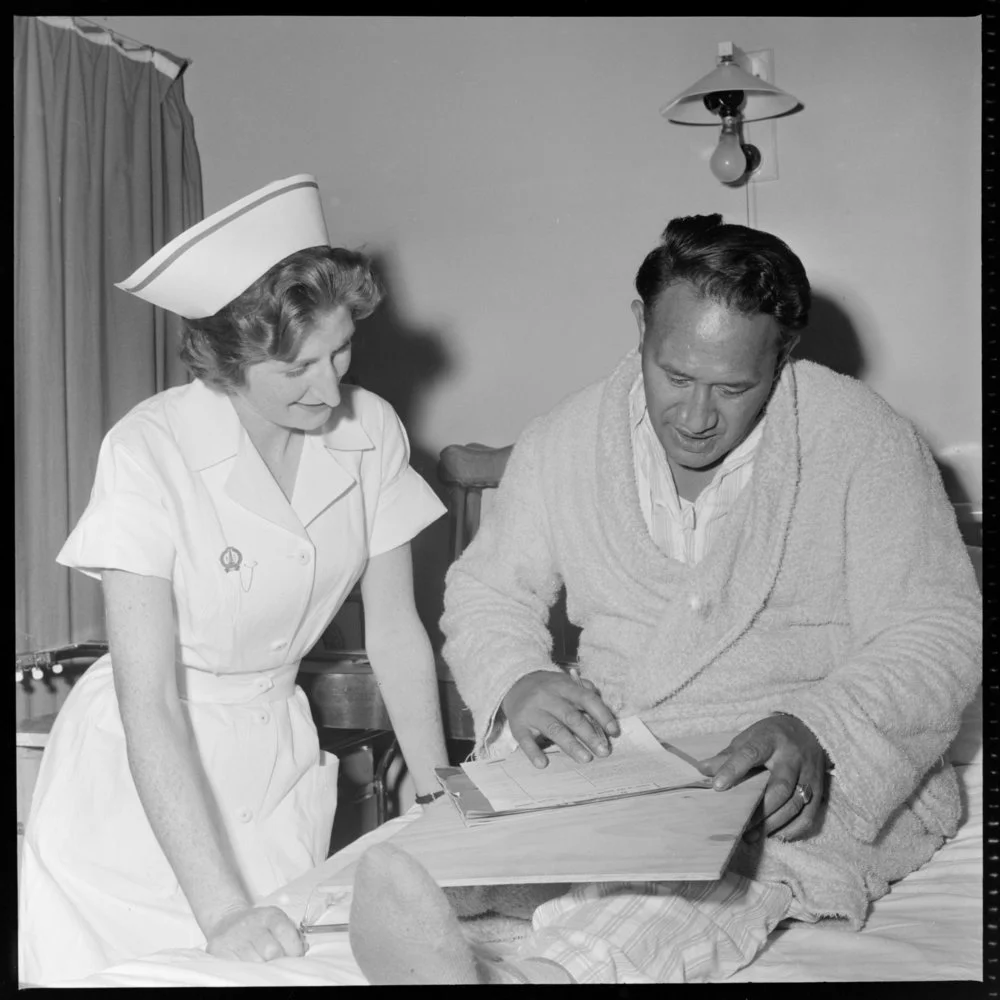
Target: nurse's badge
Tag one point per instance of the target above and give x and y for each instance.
(231, 559)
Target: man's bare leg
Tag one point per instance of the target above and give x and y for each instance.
(403, 930)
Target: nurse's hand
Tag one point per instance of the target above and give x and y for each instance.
(255, 934)
(566, 711)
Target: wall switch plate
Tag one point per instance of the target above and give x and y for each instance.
(763, 135)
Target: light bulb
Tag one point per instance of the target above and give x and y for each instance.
(728, 163)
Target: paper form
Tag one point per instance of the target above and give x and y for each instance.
(637, 763)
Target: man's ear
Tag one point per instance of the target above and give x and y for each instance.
(639, 312)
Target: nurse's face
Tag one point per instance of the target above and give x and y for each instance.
(300, 394)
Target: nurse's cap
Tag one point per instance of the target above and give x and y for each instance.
(208, 265)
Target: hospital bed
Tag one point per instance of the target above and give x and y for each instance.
(929, 927)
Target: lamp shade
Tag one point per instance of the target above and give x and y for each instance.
(762, 99)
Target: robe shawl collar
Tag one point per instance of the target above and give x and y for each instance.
(702, 609)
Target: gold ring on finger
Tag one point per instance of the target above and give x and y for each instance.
(805, 793)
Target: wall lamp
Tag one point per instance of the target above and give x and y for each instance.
(733, 96)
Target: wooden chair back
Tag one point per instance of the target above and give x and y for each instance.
(339, 683)
(466, 470)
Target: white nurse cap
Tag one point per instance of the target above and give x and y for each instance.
(208, 265)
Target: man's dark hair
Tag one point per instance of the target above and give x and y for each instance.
(745, 269)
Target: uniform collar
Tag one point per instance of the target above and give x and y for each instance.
(326, 473)
(206, 426)
(347, 433)
(208, 431)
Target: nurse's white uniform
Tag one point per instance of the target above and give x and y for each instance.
(178, 483)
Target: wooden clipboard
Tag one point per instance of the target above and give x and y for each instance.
(687, 834)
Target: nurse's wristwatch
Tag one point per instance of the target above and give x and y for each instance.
(425, 800)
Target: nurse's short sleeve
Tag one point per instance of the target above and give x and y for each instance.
(126, 524)
(406, 504)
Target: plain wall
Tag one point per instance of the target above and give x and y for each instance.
(510, 174)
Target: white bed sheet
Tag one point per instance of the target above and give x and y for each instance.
(928, 927)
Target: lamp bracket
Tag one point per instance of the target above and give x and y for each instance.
(763, 134)
(736, 55)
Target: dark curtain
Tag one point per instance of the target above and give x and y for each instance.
(106, 171)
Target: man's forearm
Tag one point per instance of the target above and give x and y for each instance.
(492, 639)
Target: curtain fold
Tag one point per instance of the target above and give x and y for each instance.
(106, 170)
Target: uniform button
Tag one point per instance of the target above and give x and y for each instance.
(264, 684)
(262, 717)
(244, 815)
(304, 557)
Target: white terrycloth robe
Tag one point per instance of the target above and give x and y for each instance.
(839, 591)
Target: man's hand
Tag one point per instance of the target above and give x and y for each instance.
(255, 934)
(568, 712)
(789, 750)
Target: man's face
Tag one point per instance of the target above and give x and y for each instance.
(707, 372)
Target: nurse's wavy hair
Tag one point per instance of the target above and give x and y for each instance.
(746, 270)
(271, 318)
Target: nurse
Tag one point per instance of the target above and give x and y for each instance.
(229, 519)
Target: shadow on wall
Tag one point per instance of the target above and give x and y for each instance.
(832, 339)
(401, 363)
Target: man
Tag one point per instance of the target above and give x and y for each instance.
(749, 544)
